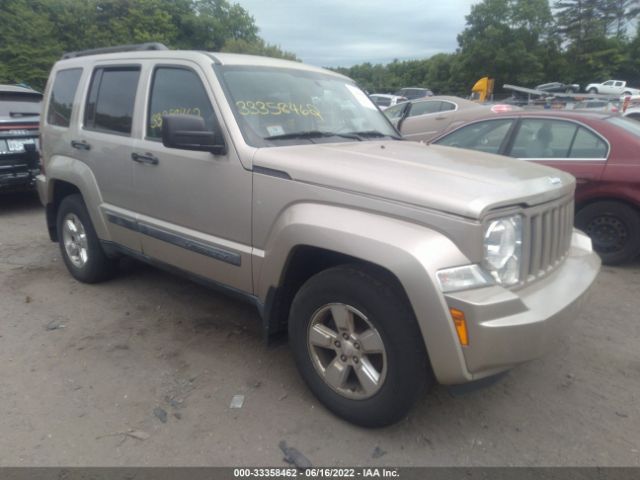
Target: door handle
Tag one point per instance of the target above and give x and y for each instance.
(80, 145)
(147, 158)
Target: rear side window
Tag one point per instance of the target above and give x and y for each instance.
(447, 106)
(176, 91)
(423, 108)
(111, 99)
(587, 145)
(62, 95)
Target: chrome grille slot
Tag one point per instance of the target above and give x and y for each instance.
(549, 239)
(546, 235)
(536, 245)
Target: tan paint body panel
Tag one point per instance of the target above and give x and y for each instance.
(446, 179)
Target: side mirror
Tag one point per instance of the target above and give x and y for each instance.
(189, 132)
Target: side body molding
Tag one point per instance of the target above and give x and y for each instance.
(413, 253)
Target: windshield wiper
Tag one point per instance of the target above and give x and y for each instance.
(23, 114)
(313, 134)
(374, 133)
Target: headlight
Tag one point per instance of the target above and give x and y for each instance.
(503, 249)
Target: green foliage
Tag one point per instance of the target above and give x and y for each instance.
(256, 47)
(524, 42)
(35, 33)
(521, 42)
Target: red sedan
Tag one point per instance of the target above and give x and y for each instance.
(601, 150)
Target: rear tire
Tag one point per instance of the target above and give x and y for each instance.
(614, 229)
(357, 345)
(79, 245)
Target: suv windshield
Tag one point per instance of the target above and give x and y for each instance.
(282, 106)
(19, 105)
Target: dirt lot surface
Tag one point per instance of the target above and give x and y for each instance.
(142, 370)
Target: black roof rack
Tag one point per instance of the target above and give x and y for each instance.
(120, 48)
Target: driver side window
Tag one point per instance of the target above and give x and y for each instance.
(176, 91)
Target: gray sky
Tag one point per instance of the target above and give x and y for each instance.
(342, 33)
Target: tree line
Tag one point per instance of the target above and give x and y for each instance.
(35, 33)
(524, 42)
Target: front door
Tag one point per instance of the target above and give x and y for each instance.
(194, 211)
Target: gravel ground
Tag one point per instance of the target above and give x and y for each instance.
(142, 370)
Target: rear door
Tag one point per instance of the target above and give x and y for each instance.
(561, 144)
(105, 142)
(195, 207)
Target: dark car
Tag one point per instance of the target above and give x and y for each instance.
(559, 87)
(600, 150)
(411, 93)
(19, 123)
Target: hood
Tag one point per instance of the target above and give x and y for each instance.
(453, 180)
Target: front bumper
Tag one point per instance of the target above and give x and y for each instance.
(508, 327)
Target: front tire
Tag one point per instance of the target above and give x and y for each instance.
(357, 345)
(592, 90)
(614, 229)
(80, 247)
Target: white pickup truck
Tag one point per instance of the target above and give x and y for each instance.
(612, 87)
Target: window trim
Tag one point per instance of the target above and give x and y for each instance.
(50, 97)
(101, 68)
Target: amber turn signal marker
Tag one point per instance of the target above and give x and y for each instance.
(461, 325)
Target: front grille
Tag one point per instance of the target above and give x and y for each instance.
(548, 230)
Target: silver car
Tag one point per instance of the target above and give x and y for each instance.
(423, 119)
